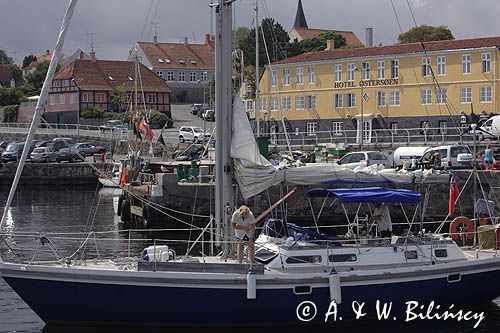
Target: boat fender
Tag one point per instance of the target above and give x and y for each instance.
(125, 211)
(150, 216)
(251, 285)
(461, 221)
(334, 284)
(120, 202)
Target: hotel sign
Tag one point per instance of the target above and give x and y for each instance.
(367, 83)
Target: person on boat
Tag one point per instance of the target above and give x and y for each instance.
(414, 163)
(488, 157)
(382, 216)
(243, 223)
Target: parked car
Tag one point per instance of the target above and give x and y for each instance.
(3, 145)
(59, 143)
(13, 152)
(69, 154)
(113, 125)
(192, 133)
(49, 143)
(195, 108)
(88, 149)
(364, 159)
(449, 156)
(43, 154)
(209, 115)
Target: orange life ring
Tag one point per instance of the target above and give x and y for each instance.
(461, 221)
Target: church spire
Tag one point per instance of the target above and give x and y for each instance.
(300, 18)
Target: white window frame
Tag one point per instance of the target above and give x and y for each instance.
(395, 98)
(203, 76)
(159, 73)
(299, 75)
(72, 99)
(287, 103)
(192, 76)
(337, 70)
(311, 129)
(152, 99)
(426, 96)
(56, 83)
(441, 65)
(486, 62)
(486, 94)
(262, 103)
(62, 99)
(52, 100)
(311, 102)
(311, 74)
(338, 101)
(286, 76)
(338, 128)
(300, 102)
(394, 69)
(380, 70)
(381, 100)
(466, 64)
(394, 127)
(170, 76)
(365, 70)
(426, 66)
(182, 77)
(351, 100)
(87, 97)
(274, 78)
(441, 95)
(350, 72)
(275, 103)
(466, 95)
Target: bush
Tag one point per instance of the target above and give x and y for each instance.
(92, 113)
(158, 119)
(10, 113)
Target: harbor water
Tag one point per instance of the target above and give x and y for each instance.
(68, 210)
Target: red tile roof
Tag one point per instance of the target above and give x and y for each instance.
(194, 56)
(96, 75)
(350, 38)
(395, 49)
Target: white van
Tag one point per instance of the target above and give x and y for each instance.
(405, 154)
(491, 128)
(449, 156)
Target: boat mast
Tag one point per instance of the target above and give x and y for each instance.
(42, 102)
(257, 74)
(223, 105)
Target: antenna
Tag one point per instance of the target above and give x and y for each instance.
(91, 36)
(155, 24)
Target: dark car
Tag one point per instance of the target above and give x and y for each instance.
(69, 154)
(209, 115)
(3, 145)
(88, 149)
(59, 143)
(13, 152)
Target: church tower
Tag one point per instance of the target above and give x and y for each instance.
(300, 18)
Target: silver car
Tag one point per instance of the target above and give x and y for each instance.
(364, 159)
(43, 154)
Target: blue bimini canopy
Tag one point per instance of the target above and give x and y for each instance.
(369, 194)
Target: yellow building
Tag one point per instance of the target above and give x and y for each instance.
(391, 87)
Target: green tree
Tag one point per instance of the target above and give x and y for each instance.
(426, 33)
(249, 74)
(34, 81)
(240, 34)
(28, 60)
(11, 96)
(118, 98)
(318, 43)
(16, 73)
(4, 59)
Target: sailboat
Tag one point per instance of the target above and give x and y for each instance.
(163, 289)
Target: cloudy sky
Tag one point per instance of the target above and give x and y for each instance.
(31, 26)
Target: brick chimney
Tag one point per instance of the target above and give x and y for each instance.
(92, 56)
(81, 55)
(185, 41)
(330, 45)
(47, 51)
(208, 41)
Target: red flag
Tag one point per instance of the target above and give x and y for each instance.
(454, 192)
(123, 176)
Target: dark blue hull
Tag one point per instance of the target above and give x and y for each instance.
(82, 303)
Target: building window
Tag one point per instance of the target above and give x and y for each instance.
(351, 100)
(338, 128)
(426, 66)
(337, 70)
(394, 128)
(311, 129)
(263, 103)
(311, 74)
(299, 75)
(466, 95)
(486, 62)
(365, 66)
(182, 77)
(152, 98)
(441, 95)
(203, 76)
(380, 70)
(311, 102)
(441, 65)
(300, 102)
(350, 72)
(52, 100)
(66, 83)
(249, 105)
(100, 98)
(274, 78)
(286, 76)
(486, 94)
(394, 69)
(56, 83)
(339, 101)
(426, 96)
(170, 76)
(466, 64)
(275, 103)
(159, 73)
(62, 99)
(72, 98)
(380, 98)
(192, 76)
(287, 103)
(442, 126)
(87, 97)
(395, 98)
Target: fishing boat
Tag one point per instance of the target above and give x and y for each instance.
(111, 179)
(215, 291)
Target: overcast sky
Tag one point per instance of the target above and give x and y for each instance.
(31, 26)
